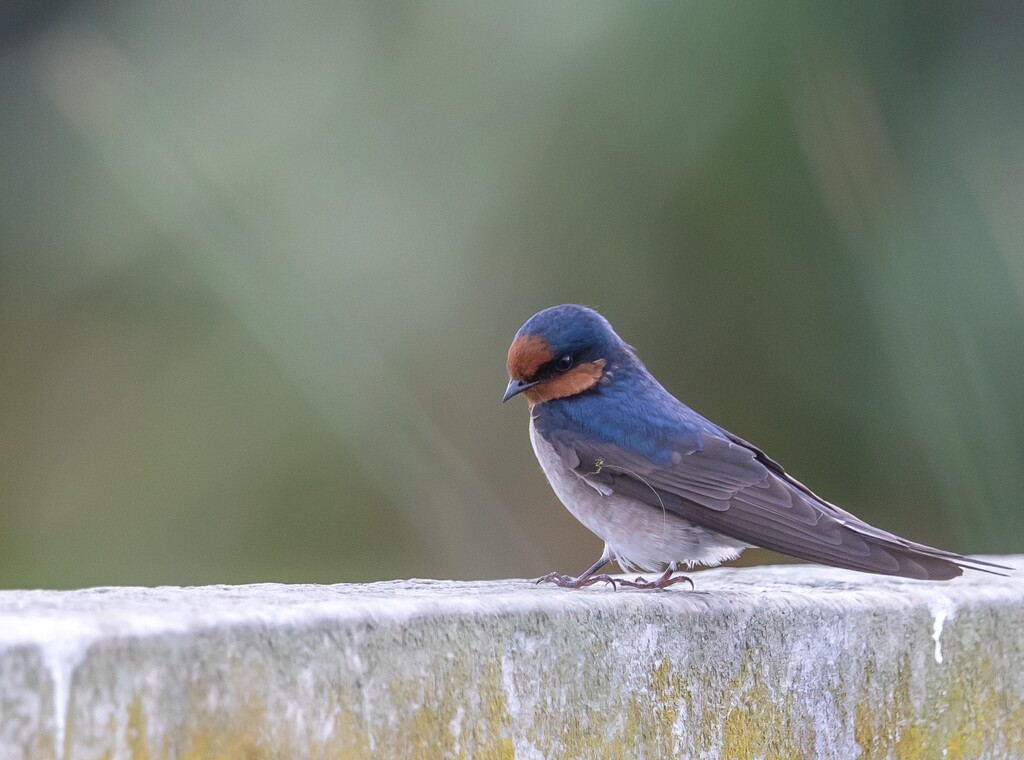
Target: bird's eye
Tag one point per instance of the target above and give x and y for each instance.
(564, 364)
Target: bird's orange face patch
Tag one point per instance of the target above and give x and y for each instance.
(576, 380)
(526, 355)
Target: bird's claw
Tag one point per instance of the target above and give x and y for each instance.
(664, 581)
(570, 581)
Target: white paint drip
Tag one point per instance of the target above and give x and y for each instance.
(941, 612)
(61, 658)
(62, 644)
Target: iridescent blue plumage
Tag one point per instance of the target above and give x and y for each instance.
(655, 429)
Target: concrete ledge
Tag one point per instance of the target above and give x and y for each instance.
(778, 662)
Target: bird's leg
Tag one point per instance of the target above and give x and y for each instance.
(587, 578)
(666, 580)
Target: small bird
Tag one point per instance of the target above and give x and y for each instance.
(664, 487)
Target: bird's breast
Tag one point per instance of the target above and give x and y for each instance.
(578, 496)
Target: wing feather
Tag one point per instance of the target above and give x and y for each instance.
(731, 487)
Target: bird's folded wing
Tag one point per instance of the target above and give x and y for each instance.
(731, 487)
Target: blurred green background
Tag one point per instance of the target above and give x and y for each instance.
(260, 264)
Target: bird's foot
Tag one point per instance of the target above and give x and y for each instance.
(569, 581)
(664, 581)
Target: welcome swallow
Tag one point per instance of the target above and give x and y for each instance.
(661, 485)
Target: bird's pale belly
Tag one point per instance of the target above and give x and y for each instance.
(640, 536)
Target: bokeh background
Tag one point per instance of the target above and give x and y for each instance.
(260, 263)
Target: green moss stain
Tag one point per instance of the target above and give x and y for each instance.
(135, 731)
(864, 718)
(760, 724)
(667, 690)
(461, 713)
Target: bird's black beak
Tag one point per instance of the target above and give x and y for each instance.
(515, 387)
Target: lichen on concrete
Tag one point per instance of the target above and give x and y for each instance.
(777, 662)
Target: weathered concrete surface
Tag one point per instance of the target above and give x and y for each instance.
(780, 662)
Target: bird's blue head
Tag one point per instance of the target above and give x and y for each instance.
(560, 352)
